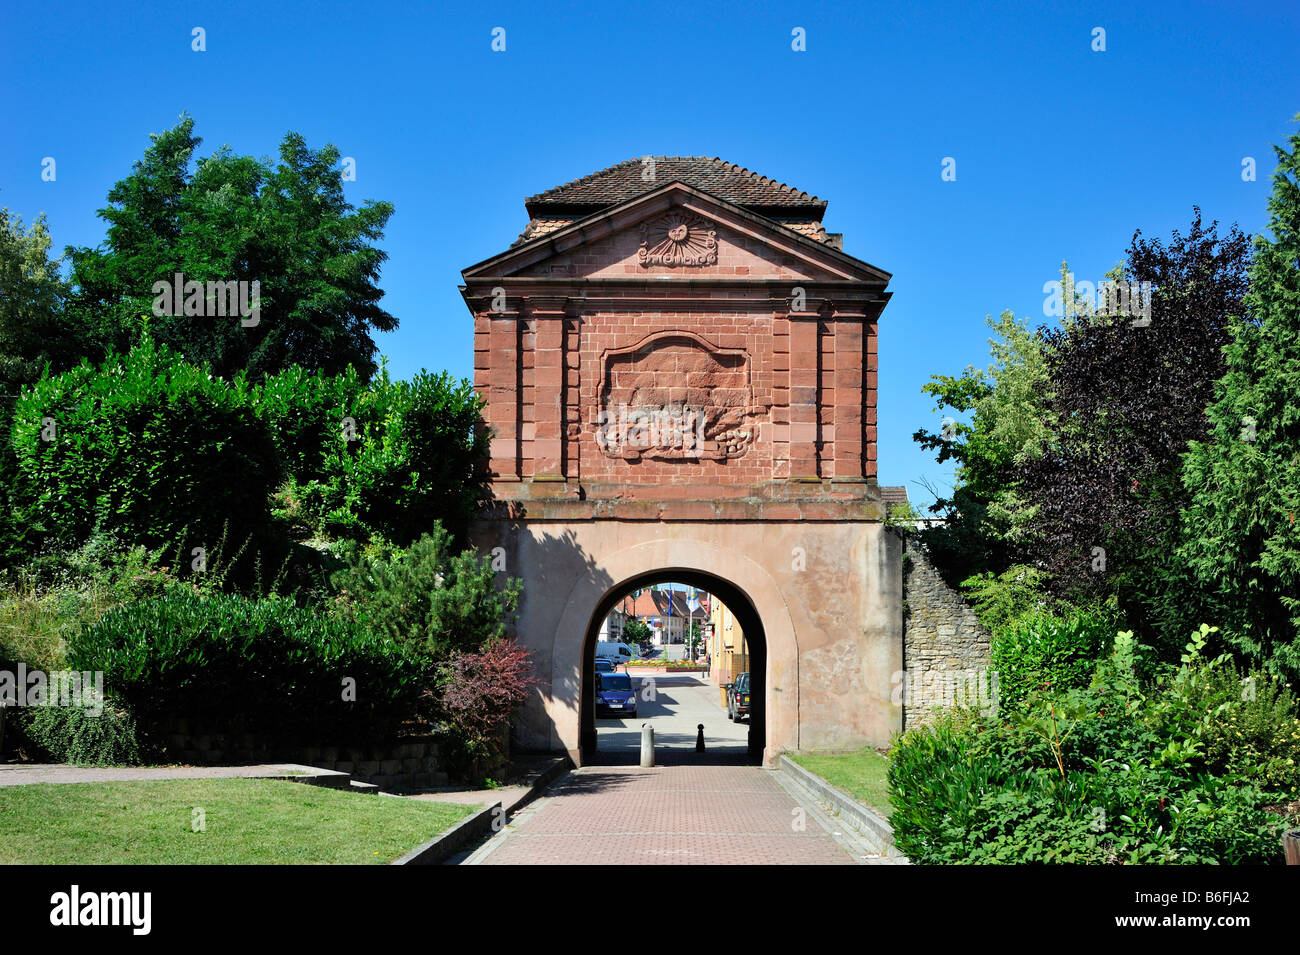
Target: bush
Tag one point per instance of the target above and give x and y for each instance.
(305, 412)
(426, 596)
(257, 666)
(956, 802)
(1254, 731)
(1042, 650)
(145, 446)
(479, 692)
(1112, 773)
(72, 734)
(1000, 601)
(392, 458)
(58, 594)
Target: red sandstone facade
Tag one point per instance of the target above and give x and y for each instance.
(754, 339)
(679, 367)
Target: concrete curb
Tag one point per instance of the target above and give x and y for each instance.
(483, 823)
(448, 843)
(870, 825)
(541, 781)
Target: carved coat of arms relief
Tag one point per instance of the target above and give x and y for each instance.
(678, 239)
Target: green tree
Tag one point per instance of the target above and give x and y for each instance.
(32, 335)
(428, 596)
(230, 218)
(636, 632)
(1239, 531)
(31, 296)
(1009, 425)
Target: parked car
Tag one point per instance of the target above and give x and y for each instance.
(615, 695)
(604, 665)
(738, 699)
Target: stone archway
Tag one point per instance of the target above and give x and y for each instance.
(746, 615)
(731, 577)
(680, 376)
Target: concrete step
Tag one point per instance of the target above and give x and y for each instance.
(359, 787)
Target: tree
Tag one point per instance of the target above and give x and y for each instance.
(428, 595)
(1127, 394)
(1009, 424)
(229, 218)
(636, 632)
(31, 296)
(1239, 534)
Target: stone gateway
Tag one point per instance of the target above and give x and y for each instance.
(679, 367)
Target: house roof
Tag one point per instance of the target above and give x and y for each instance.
(893, 495)
(655, 603)
(628, 179)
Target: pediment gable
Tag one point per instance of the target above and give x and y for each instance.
(677, 232)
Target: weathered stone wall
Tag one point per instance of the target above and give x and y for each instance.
(827, 593)
(945, 647)
(404, 763)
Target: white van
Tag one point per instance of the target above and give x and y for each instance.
(616, 651)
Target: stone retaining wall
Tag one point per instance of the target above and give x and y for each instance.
(945, 647)
(405, 763)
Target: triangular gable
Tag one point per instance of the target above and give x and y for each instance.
(677, 231)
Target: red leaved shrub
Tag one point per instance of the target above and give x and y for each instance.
(480, 690)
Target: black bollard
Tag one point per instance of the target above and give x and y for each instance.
(699, 739)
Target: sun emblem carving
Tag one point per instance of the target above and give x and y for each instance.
(678, 239)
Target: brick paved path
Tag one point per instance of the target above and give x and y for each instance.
(673, 815)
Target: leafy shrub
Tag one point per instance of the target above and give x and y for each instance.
(1115, 772)
(1043, 650)
(1000, 600)
(305, 413)
(72, 734)
(260, 666)
(479, 692)
(146, 446)
(1254, 731)
(58, 594)
(935, 783)
(427, 596)
(391, 458)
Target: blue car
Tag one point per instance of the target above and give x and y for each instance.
(604, 665)
(614, 694)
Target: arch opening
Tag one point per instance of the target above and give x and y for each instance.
(676, 703)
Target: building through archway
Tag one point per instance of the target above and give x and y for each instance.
(659, 695)
(679, 367)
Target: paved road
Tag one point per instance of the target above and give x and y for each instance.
(713, 808)
(674, 706)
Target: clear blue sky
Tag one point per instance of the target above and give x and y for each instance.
(1061, 151)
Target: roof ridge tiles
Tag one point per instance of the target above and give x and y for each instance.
(728, 180)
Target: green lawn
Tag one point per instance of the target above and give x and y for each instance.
(258, 821)
(860, 774)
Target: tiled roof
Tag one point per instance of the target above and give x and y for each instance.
(625, 181)
(893, 495)
(654, 603)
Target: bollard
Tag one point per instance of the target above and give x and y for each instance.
(647, 745)
(1291, 846)
(699, 738)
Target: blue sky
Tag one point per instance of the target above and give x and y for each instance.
(1061, 152)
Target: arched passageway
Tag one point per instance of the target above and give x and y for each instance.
(672, 703)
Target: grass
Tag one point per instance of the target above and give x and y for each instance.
(246, 821)
(862, 775)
